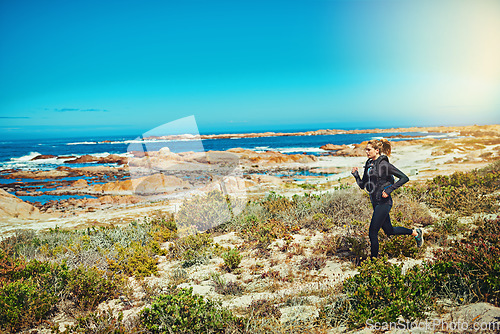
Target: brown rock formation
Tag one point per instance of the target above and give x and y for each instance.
(43, 156)
(82, 183)
(332, 147)
(13, 207)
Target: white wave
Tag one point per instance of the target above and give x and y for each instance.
(28, 157)
(134, 141)
(83, 143)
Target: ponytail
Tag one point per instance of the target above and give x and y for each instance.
(386, 147)
(382, 145)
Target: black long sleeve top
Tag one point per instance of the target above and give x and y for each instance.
(378, 176)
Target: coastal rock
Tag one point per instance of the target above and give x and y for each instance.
(112, 158)
(356, 150)
(82, 183)
(43, 156)
(153, 184)
(165, 152)
(84, 159)
(158, 183)
(45, 174)
(332, 147)
(227, 185)
(13, 207)
(270, 157)
(113, 187)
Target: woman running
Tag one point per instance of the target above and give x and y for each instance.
(378, 180)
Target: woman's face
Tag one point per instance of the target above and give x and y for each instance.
(371, 153)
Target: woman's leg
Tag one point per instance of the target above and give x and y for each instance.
(380, 215)
(394, 230)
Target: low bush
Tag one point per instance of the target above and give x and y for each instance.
(29, 291)
(203, 212)
(329, 245)
(135, 260)
(263, 308)
(193, 249)
(395, 246)
(313, 263)
(382, 292)
(232, 259)
(183, 312)
(464, 193)
(89, 287)
(226, 288)
(469, 270)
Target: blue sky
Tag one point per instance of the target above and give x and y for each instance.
(124, 67)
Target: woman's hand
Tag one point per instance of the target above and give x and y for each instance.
(384, 194)
(354, 169)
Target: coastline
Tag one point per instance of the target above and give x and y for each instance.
(116, 200)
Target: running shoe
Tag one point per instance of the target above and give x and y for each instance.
(420, 237)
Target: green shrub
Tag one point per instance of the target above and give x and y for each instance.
(232, 259)
(463, 193)
(184, 312)
(399, 245)
(89, 287)
(226, 288)
(201, 213)
(382, 292)
(469, 270)
(192, 249)
(449, 225)
(28, 291)
(24, 304)
(135, 260)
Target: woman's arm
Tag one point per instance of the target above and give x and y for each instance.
(360, 181)
(397, 173)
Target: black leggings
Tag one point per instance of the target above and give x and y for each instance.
(381, 219)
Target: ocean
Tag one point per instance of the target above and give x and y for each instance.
(19, 154)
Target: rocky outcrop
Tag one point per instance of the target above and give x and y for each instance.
(38, 175)
(158, 183)
(270, 157)
(153, 184)
(43, 156)
(112, 158)
(332, 147)
(82, 183)
(13, 207)
(113, 187)
(356, 150)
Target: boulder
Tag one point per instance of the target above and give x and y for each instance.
(158, 183)
(43, 156)
(44, 174)
(332, 147)
(82, 183)
(84, 159)
(13, 207)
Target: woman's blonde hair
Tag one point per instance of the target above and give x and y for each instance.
(382, 145)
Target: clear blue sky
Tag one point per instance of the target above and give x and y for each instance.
(109, 67)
